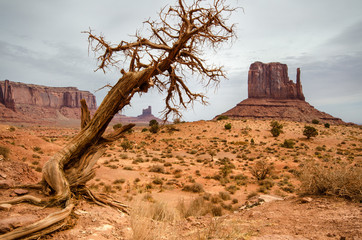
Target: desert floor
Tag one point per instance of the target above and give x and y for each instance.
(195, 181)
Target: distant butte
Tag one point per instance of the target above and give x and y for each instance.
(272, 95)
(142, 119)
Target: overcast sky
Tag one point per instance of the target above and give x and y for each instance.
(41, 43)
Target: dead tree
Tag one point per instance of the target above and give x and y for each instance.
(173, 49)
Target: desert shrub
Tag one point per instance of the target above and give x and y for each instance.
(154, 128)
(126, 145)
(119, 181)
(117, 126)
(195, 188)
(261, 169)
(225, 196)
(157, 181)
(4, 151)
(268, 184)
(227, 126)
(310, 131)
(333, 179)
(315, 121)
(277, 128)
(37, 149)
(231, 189)
(144, 130)
(222, 117)
(177, 121)
(216, 211)
(226, 169)
(153, 122)
(327, 125)
(197, 207)
(288, 143)
(157, 169)
(240, 176)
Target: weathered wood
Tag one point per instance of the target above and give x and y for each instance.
(42, 226)
(85, 114)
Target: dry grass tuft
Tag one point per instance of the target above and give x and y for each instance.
(149, 220)
(340, 180)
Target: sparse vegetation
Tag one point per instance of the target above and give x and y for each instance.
(222, 117)
(227, 126)
(4, 151)
(288, 143)
(126, 145)
(310, 131)
(195, 188)
(261, 169)
(277, 128)
(343, 180)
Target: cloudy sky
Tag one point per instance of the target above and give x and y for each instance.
(41, 43)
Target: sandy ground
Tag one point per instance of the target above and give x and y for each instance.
(153, 173)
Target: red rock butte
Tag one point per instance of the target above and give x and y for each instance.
(272, 95)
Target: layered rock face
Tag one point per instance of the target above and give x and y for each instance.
(271, 81)
(20, 102)
(272, 95)
(15, 93)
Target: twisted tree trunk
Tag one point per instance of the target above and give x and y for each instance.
(69, 169)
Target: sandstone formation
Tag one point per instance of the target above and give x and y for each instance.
(20, 102)
(142, 119)
(272, 95)
(272, 81)
(15, 93)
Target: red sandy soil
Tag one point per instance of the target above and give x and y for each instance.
(184, 159)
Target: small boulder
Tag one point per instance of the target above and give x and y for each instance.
(306, 200)
(21, 192)
(5, 207)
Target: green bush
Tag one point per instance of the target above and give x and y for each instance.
(154, 128)
(276, 129)
(310, 131)
(153, 122)
(126, 145)
(228, 126)
(327, 125)
(288, 143)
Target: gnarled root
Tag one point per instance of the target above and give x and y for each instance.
(44, 226)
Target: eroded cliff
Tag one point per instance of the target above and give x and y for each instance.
(20, 102)
(271, 80)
